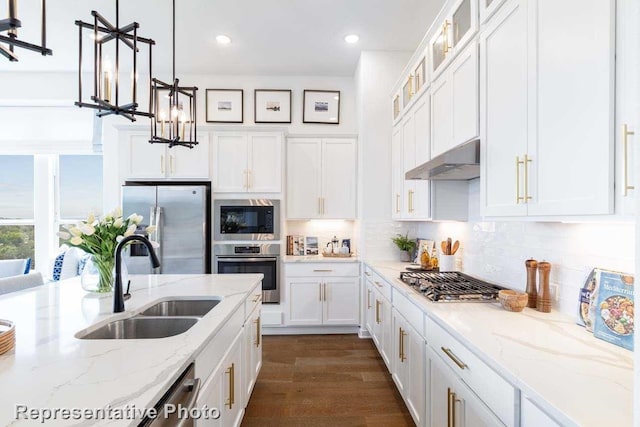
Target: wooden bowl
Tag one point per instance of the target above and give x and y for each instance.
(513, 300)
(7, 336)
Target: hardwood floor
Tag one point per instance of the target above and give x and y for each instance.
(324, 380)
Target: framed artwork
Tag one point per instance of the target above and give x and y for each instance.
(419, 73)
(407, 91)
(225, 105)
(321, 106)
(396, 106)
(272, 106)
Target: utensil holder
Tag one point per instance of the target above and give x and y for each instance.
(448, 263)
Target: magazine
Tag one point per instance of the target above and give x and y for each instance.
(614, 309)
(588, 294)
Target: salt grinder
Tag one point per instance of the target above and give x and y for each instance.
(532, 267)
(543, 302)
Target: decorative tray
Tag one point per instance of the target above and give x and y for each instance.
(336, 255)
(7, 336)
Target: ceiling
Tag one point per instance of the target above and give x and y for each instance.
(269, 37)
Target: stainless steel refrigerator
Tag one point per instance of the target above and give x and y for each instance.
(181, 212)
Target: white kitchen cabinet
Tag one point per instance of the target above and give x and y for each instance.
(397, 171)
(321, 178)
(547, 109)
(487, 8)
(223, 389)
(383, 327)
(408, 364)
(247, 162)
(452, 403)
(252, 350)
(532, 416)
(454, 103)
(143, 160)
(322, 294)
(369, 310)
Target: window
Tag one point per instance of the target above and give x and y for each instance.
(80, 183)
(16, 207)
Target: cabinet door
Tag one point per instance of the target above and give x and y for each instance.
(464, 23)
(397, 171)
(265, 163)
(369, 309)
(233, 403)
(438, 48)
(146, 160)
(414, 353)
(470, 411)
(488, 8)
(190, 162)
(230, 159)
(422, 150)
(465, 92)
(339, 172)
(441, 115)
(210, 395)
(386, 330)
(252, 351)
(305, 301)
(341, 301)
(303, 178)
(571, 172)
(408, 162)
(401, 369)
(504, 111)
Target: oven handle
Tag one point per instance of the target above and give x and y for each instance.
(243, 259)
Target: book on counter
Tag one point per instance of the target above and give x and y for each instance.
(296, 245)
(613, 320)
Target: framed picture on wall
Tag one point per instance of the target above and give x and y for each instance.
(224, 105)
(272, 106)
(321, 106)
(419, 73)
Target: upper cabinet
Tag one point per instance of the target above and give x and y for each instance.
(547, 109)
(321, 178)
(141, 160)
(459, 26)
(488, 8)
(247, 162)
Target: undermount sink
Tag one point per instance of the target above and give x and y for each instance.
(182, 307)
(141, 328)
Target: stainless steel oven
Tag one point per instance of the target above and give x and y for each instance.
(252, 258)
(251, 219)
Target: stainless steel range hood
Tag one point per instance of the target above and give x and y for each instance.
(458, 164)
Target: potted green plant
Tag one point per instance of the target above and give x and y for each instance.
(406, 245)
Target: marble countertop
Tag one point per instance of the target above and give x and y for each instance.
(50, 368)
(318, 258)
(576, 378)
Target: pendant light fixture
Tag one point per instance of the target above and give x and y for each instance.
(107, 82)
(11, 25)
(174, 119)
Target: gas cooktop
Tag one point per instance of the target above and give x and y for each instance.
(450, 286)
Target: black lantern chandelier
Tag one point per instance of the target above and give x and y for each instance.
(106, 80)
(174, 119)
(11, 25)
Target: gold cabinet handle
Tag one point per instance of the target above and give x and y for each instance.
(625, 145)
(378, 284)
(256, 298)
(324, 285)
(377, 311)
(453, 357)
(397, 203)
(249, 179)
(445, 37)
(410, 201)
(323, 208)
(257, 322)
(320, 294)
(368, 299)
(411, 86)
(319, 270)
(518, 163)
(319, 207)
(526, 162)
(161, 163)
(171, 164)
(367, 273)
(232, 387)
(401, 346)
(451, 410)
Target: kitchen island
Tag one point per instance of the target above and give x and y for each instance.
(51, 368)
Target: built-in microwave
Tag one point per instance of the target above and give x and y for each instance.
(248, 219)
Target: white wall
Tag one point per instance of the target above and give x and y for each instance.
(497, 250)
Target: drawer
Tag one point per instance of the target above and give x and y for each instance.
(500, 396)
(378, 282)
(409, 311)
(323, 269)
(252, 301)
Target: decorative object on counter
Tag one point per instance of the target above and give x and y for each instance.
(321, 106)
(272, 106)
(224, 106)
(11, 25)
(99, 238)
(448, 263)
(346, 243)
(296, 245)
(425, 258)
(513, 300)
(420, 245)
(107, 77)
(434, 259)
(180, 107)
(449, 248)
(532, 291)
(614, 309)
(7, 336)
(406, 245)
(588, 296)
(311, 245)
(543, 300)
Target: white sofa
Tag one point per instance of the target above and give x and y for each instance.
(20, 282)
(14, 267)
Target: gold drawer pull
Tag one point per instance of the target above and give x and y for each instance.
(453, 357)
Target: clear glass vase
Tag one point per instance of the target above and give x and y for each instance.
(98, 275)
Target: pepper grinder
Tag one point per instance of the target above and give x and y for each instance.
(543, 302)
(532, 267)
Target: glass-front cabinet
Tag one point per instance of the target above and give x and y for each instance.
(488, 8)
(460, 24)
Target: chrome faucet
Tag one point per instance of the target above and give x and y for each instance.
(118, 295)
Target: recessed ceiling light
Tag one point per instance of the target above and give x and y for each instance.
(222, 39)
(351, 38)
